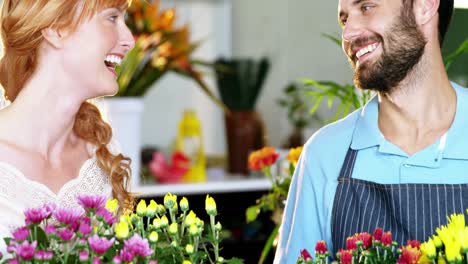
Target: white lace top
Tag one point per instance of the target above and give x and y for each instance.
(18, 193)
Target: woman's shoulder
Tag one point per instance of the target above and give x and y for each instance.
(3, 101)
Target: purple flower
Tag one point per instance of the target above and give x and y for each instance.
(153, 262)
(35, 215)
(138, 246)
(100, 245)
(50, 229)
(26, 250)
(40, 255)
(50, 208)
(85, 227)
(92, 202)
(106, 215)
(127, 255)
(48, 255)
(84, 255)
(13, 261)
(65, 234)
(68, 216)
(21, 233)
(96, 260)
(117, 259)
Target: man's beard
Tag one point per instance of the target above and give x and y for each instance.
(405, 47)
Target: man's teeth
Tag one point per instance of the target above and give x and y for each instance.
(366, 50)
(115, 60)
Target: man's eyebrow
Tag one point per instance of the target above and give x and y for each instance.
(343, 14)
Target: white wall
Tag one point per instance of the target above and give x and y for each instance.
(288, 32)
(210, 21)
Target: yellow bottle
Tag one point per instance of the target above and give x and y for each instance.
(190, 142)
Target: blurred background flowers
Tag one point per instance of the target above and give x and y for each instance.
(161, 46)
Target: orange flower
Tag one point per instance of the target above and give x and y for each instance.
(409, 255)
(293, 155)
(262, 158)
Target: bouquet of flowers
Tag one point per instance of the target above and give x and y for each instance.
(160, 47)
(155, 233)
(263, 160)
(449, 244)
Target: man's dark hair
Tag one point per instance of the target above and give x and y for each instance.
(445, 16)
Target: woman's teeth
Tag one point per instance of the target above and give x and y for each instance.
(112, 60)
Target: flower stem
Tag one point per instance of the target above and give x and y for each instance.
(215, 237)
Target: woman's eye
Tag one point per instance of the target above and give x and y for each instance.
(113, 18)
(366, 8)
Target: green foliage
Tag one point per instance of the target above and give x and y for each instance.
(297, 105)
(463, 49)
(240, 80)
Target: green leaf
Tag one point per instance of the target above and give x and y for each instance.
(335, 39)
(252, 213)
(268, 245)
(461, 50)
(235, 261)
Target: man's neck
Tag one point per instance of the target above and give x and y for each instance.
(421, 109)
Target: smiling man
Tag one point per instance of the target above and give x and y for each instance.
(398, 163)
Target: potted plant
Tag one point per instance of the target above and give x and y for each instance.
(239, 82)
(160, 47)
(298, 112)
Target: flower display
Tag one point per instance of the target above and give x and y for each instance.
(449, 244)
(94, 233)
(169, 172)
(161, 46)
(263, 160)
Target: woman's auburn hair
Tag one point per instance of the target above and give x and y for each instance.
(21, 24)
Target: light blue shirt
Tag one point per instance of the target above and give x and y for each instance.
(308, 213)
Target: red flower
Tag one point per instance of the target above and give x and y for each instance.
(366, 239)
(306, 255)
(413, 243)
(346, 256)
(165, 172)
(387, 238)
(409, 255)
(351, 243)
(321, 247)
(378, 234)
(262, 158)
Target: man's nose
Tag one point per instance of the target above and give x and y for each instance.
(352, 30)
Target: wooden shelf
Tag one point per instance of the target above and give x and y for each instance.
(231, 184)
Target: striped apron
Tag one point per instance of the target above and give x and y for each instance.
(409, 211)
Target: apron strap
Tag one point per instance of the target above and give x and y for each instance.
(348, 164)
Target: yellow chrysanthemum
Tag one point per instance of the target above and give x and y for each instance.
(428, 249)
(141, 208)
(184, 205)
(190, 218)
(294, 154)
(151, 209)
(112, 205)
(210, 205)
(122, 230)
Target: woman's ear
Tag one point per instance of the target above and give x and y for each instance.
(425, 10)
(53, 36)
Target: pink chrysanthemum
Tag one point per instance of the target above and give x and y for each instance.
(35, 215)
(21, 233)
(91, 202)
(100, 245)
(138, 246)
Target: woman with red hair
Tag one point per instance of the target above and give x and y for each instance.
(54, 145)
